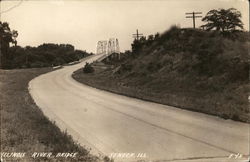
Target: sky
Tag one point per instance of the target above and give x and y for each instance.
(84, 23)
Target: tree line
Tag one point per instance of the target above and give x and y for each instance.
(45, 55)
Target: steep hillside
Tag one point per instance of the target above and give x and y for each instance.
(191, 69)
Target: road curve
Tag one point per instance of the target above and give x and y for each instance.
(111, 123)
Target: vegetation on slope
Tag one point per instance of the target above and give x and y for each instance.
(198, 70)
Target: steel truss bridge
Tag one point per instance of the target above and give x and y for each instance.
(108, 48)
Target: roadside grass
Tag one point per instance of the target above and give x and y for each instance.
(229, 103)
(24, 128)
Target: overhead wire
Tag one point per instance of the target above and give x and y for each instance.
(11, 8)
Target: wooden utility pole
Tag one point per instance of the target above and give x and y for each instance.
(137, 35)
(193, 16)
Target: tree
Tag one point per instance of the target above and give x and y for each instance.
(150, 39)
(157, 35)
(138, 44)
(224, 20)
(6, 37)
(14, 36)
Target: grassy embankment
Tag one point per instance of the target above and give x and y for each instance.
(190, 69)
(24, 128)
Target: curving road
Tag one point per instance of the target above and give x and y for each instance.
(110, 123)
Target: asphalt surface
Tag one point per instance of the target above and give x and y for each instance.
(129, 129)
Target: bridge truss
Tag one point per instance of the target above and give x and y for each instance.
(110, 47)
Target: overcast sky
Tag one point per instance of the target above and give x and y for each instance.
(83, 23)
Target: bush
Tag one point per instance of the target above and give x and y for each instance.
(88, 68)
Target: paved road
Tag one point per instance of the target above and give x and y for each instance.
(110, 123)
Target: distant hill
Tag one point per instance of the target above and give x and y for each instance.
(192, 69)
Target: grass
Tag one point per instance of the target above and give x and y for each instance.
(24, 128)
(232, 103)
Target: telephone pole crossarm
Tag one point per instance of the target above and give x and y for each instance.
(193, 15)
(137, 35)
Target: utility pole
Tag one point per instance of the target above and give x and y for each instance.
(193, 16)
(137, 35)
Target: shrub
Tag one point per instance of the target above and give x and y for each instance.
(88, 68)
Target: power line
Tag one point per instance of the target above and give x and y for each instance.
(11, 8)
(193, 16)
